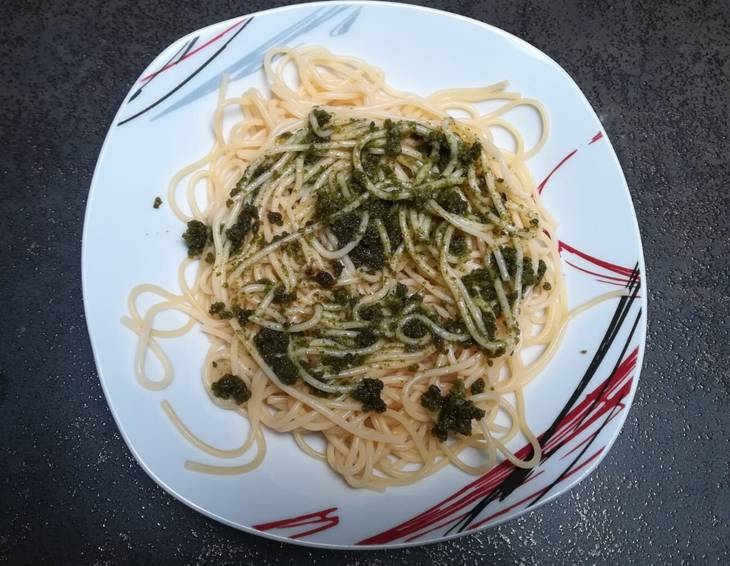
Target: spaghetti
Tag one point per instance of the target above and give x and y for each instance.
(369, 270)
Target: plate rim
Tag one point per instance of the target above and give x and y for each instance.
(643, 322)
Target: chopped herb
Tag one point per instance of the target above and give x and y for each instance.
(214, 364)
(584, 351)
(337, 268)
(547, 286)
(231, 387)
(196, 237)
(368, 392)
(210, 257)
(157, 203)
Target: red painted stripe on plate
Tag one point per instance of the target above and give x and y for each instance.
(599, 262)
(537, 493)
(617, 385)
(192, 52)
(594, 139)
(617, 280)
(541, 186)
(322, 518)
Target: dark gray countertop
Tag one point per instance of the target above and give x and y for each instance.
(658, 75)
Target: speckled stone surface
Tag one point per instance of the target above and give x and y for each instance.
(658, 74)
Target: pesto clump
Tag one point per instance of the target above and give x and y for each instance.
(343, 297)
(282, 297)
(157, 202)
(450, 200)
(477, 387)
(231, 387)
(415, 328)
(432, 399)
(455, 412)
(275, 218)
(218, 310)
(368, 392)
(241, 315)
(458, 245)
(196, 237)
(369, 252)
(341, 363)
(245, 222)
(365, 338)
(479, 283)
(322, 116)
(392, 138)
(272, 347)
(469, 153)
(531, 277)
